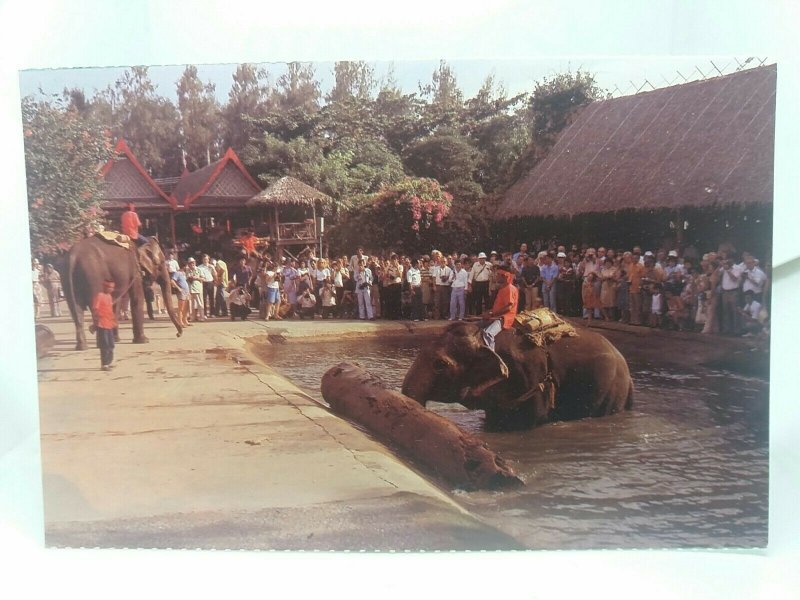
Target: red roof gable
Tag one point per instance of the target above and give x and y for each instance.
(193, 186)
(137, 178)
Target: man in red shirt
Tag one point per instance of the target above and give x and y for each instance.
(104, 323)
(130, 223)
(502, 314)
(248, 241)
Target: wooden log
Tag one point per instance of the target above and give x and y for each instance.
(431, 440)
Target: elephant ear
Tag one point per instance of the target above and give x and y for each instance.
(147, 259)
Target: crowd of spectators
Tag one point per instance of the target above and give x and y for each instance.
(717, 292)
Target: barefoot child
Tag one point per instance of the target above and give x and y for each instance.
(104, 323)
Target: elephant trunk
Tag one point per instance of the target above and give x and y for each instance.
(415, 385)
(166, 293)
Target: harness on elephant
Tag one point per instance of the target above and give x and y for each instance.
(122, 240)
(546, 385)
(543, 327)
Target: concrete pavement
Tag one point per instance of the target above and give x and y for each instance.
(192, 443)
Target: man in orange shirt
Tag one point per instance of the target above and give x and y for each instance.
(248, 241)
(130, 223)
(502, 314)
(104, 323)
(635, 273)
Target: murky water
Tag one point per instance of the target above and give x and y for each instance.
(686, 468)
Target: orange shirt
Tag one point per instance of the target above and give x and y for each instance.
(130, 223)
(635, 272)
(103, 311)
(505, 296)
(249, 244)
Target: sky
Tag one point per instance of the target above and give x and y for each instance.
(612, 73)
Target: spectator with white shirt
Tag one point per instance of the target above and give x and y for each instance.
(458, 289)
(443, 279)
(753, 278)
(730, 281)
(414, 279)
(479, 276)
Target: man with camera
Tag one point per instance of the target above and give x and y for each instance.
(307, 303)
(363, 279)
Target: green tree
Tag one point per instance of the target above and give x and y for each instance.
(446, 156)
(497, 126)
(62, 154)
(298, 89)
(147, 121)
(353, 80)
(199, 119)
(551, 107)
(398, 115)
(408, 217)
(446, 98)
(248, 100)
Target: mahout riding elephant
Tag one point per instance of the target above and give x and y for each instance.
(92, 260)
(521, 385)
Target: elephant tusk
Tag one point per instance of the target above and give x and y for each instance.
(541, 387)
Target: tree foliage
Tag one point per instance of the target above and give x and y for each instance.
(199, 120)
(404, 217)
(362, 138)
(62, 152)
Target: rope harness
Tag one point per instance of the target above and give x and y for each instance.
(542, 327)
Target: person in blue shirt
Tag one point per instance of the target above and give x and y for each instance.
(181, 287)
(549, 273)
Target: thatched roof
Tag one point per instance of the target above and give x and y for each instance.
(126, 181)
(288, 190)
(222, 184)
(698, 144)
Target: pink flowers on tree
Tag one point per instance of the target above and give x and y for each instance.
(424, 199)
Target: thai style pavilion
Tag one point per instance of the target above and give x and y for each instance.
(687, 164)
(127, 182)
(210, 202)
(210, 207)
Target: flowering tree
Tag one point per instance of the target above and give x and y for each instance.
(63, 153)
(408, 216)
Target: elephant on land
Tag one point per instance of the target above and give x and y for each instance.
(522, 385)
(93, 260)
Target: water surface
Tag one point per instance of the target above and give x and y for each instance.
(686, 468)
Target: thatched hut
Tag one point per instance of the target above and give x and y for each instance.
(290, 208)
(690, 162)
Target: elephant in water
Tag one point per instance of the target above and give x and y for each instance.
(522, 384)
(92, 260)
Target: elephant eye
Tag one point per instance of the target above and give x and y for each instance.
(440, 365)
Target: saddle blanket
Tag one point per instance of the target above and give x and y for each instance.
(115, 237)
(542, 326)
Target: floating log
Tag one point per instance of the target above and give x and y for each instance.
(45, 340)
(430, 440)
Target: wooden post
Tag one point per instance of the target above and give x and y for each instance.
(172, 228)
(678, 229)
(277, 233)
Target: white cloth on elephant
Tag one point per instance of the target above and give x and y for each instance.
(490, 331)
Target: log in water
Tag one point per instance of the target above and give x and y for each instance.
(431, 440)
